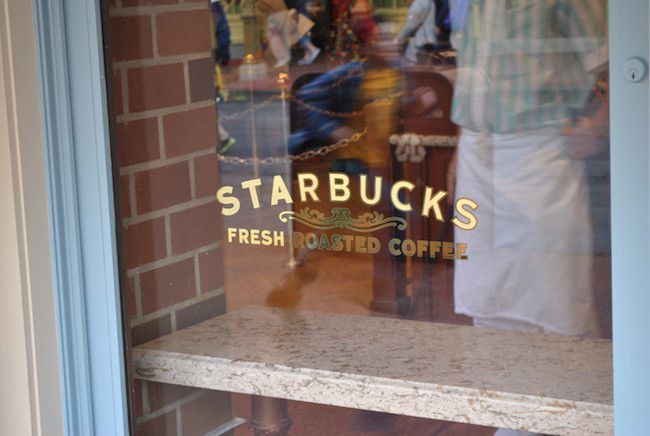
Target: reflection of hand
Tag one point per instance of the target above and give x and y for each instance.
(451, 178)
(425, 98)
(587, 137)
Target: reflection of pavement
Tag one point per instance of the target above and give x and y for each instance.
(261, 275)
(265, 127)
(337, 283)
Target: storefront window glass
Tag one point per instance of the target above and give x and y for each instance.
(356, 195)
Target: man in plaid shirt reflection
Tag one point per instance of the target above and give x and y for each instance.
(524, 81)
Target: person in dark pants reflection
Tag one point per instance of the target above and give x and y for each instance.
(221, 55)
(443, 24)
(311, 51)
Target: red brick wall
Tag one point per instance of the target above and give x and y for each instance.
(163, 125)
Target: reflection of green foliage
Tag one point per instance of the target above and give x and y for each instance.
(382, 4)
(392, 4)
(232, 8)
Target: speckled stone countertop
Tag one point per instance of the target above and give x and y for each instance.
(542, 383)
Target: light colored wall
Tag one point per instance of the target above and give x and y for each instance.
(30, 402)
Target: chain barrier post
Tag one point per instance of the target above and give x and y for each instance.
(249, 58)
(252, 65)
(283, 79)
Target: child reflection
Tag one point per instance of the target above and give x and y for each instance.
(325, 100)
(424, 29)
(523, 83)
(329, 103)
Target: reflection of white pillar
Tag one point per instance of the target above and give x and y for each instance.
(252, 67)
(282, 81)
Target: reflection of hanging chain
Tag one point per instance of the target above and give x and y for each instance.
(304, 156)
(342, 114)
(351, 74)
(357, 72)
(304, 105)
(324, 111)
(282, 78)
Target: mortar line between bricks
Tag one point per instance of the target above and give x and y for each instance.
(170, 260)
(197, 275)
(168, 235)
(153, 164)
(169, 407)
(128, 11)
(167, 211)
(133, 202)
(172, 320)
(192, 172)
(134, 116)
(158, 60)
(158, 163)
(138, 296)
(124, 84)
(146, 409)
(161, 138)
(186, 79)
(154, 36)
(175, 307)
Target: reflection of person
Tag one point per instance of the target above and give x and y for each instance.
(443, 24)
(221, 57)
(521, 82)
(330, 101)
(222, 30)
(286, 27)
(280, 25)
(336, 91)
(225, 139)
(311, 51)
(419, 29)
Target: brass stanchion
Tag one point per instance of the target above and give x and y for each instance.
(252, 67)
(283, 78)
(253, 124)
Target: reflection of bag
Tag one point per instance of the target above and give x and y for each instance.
(291, 26)
(302, 27)
(270, 6)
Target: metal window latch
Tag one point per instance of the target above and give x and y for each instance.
(635, 69)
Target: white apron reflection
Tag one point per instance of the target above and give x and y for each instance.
(530, 255)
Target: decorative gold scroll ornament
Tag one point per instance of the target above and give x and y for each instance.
(341, 218)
